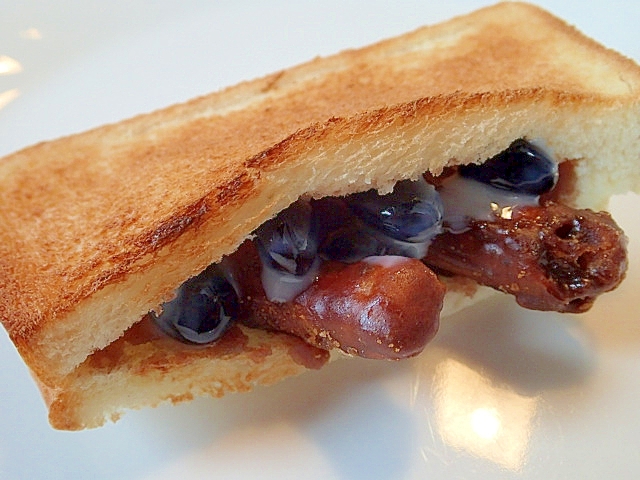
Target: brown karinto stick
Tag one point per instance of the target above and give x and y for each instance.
(550, 257)
(383, 310)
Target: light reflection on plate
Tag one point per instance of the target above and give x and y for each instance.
(9, 66)
(486, 420)
(7, 96)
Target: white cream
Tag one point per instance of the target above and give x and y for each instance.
(466, 200)
(386, 261)
(282, 286)
(392, 247)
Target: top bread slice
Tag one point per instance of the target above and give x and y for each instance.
(98, 228)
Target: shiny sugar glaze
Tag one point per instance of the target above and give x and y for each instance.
(367, 225)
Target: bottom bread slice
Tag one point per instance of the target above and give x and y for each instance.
(145, 368)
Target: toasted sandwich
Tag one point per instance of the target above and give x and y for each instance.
(341, 207)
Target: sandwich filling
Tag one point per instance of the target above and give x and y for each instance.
(357, 272)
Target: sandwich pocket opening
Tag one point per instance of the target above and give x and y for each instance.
(476, 216)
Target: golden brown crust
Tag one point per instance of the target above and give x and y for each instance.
(98, 228)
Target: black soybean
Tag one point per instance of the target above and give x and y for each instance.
(521, 168)
(204, 307)
(411, 213)
(289, 242)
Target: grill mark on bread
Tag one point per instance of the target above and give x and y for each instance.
(272, 82)
(282, 150)
(177, 224)
(354, 126)
(236, 189)
(111, 268)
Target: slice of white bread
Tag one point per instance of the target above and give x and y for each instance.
(99, 228)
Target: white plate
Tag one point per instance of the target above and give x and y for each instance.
(500, 393)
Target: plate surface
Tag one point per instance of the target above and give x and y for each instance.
(501, 392)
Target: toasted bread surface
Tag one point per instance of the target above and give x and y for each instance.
(98, 228)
